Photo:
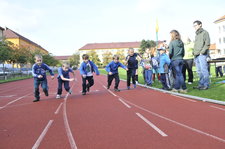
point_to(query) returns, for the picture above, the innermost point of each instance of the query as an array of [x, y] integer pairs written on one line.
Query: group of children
[[153, 63]]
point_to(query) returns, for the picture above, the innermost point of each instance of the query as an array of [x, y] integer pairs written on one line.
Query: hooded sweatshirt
[[176, 50]]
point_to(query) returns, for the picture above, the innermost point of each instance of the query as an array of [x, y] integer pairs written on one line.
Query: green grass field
[[214, 92]]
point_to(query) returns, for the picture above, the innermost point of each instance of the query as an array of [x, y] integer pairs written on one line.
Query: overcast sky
[[64, 26]]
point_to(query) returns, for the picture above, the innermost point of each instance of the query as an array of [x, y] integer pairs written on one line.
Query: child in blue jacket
[[112, 69], [164, 62], [87, 68], [39, 74], [64, 78]]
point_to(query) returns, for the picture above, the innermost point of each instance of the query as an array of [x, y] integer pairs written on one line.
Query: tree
[[74, 60], [121, 56], [94, 57], [146, 44], [49, 60], [5, 52], [107, 57]]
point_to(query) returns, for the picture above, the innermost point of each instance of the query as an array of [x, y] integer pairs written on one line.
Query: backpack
[[155, 63]]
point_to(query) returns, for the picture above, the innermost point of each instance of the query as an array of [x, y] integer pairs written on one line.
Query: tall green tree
[[94, 57], [146, 44], [107, 57], [5, 53], [49, 60], [121, 56], [74, 60]]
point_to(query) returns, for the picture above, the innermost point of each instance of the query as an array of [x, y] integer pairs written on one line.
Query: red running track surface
[[139, 118]]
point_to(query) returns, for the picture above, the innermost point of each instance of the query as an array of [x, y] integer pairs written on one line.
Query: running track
[[103, 119]]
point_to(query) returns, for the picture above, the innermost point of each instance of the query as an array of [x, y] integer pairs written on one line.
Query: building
[[114, 47], [63, 59], [220, 42], [1, 33], [21, 41]]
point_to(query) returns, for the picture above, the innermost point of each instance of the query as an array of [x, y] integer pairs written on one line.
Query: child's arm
[[50, 71], [123, 66], [107, 68], [96, 69]]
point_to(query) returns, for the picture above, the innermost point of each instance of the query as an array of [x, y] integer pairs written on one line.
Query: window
[[223, 39], [219, 40], [219, 29], [224, 28]]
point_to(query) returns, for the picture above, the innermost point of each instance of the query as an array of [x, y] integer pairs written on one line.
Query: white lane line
[[152, 125], [57, 110], [66, 124], [184, 98], [178, 123], [7, 96], [110, 91], [37, 143], [14, 101], [217, 108], [128, 106]]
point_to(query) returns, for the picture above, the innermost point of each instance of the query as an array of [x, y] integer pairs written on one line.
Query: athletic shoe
[[108, 87], [128, 87], [174, 90], [83, 93], [189, 82], [203, 88], [135, 86], [36, 100], [46, 93], [58, 96], [70, 91], [183, 91], [116, 90]]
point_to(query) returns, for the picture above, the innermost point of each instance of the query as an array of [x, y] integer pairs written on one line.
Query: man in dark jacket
[[201, 52]]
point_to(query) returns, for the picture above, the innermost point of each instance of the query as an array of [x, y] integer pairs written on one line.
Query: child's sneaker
[[174, 90], [46, 93], [83, 93], [108, 87], [128, 87], [183, 91], [135, 86], [70, 91], [58, 96], [36, 100], [116, 90]]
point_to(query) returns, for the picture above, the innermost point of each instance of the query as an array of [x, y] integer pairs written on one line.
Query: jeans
[[44, 85], [202, 70], [66, 86], [177, 66], [148, 77]]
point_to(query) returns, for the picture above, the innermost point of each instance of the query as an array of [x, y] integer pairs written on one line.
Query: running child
[[112, 69]]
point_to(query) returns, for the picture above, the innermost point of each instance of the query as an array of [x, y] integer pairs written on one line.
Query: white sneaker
[[70, 91], [189, 82], [58, 96]]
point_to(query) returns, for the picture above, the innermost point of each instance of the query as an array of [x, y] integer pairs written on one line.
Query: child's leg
[[163, 80], [67, 85], [110, 79], [36, 89], [84, 86], [44, 85], [90, 81], [134, 76], [129, 73], [59, 92], [117, 80]]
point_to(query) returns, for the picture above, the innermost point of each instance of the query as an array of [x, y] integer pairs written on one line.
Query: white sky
[[64, 26]]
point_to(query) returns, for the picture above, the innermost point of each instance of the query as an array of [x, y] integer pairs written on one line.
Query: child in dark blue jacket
[[64, 78], [39, 74], [87, 68], [112, 69]]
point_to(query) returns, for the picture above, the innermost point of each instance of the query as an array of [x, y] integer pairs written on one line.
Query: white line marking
[[217, 108], [57, 110], [184, 98], [66, 124], [178, 123], [152, 125], [14, 101], [128, 106], [110, 91], [37, 143], [7, 96]]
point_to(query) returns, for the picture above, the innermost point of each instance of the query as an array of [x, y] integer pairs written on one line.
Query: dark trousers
[[85, 84], [131, 74], [117, 80], [163, 80], [188, 66], [37, 83], [219, 71], [66, 86]]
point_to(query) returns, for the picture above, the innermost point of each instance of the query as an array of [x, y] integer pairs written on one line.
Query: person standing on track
[[87, 68], [39, 74], [132, 65], [64, 78], [112, 69]]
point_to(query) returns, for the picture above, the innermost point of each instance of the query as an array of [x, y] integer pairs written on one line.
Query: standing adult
[[201, 52], [176, 53], [188, 60]]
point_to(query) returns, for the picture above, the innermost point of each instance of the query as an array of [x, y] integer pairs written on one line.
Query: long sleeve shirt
[[113, 67], [41, 70]]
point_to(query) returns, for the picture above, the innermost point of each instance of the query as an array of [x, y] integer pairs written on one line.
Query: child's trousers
[[117, 80], [90, 83], [66, 86], [44, 85]]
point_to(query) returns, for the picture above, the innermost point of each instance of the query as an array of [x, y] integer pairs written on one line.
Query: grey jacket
[[202, 42]]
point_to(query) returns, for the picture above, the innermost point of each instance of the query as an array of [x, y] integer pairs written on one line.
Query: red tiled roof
[[8, 33], [220, 19], [62, 57], [113, 45], [1, 28]]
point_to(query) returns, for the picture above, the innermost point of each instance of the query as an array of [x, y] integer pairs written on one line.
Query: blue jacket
[[163, 59], [41, 70], [65, 74], [113, 67], [83, 66]]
